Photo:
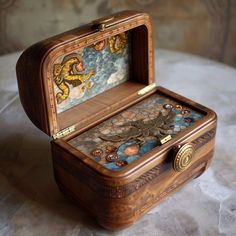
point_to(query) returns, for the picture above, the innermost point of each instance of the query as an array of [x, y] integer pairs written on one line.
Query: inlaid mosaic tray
[[126, 137]]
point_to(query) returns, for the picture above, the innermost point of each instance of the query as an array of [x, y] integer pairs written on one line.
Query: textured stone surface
[[31, 204], [206, 27]]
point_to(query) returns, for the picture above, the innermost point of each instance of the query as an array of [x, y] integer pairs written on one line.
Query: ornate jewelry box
[[121, 144]]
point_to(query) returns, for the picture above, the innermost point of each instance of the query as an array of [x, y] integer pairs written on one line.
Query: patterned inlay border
[[199, 142]]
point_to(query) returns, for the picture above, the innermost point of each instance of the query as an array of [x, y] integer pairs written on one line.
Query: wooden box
[[121, 144]]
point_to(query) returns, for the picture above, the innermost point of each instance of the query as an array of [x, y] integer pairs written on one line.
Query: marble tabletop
[[31, 204]]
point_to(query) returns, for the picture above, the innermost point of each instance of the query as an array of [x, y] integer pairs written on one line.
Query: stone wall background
[[202, 27]]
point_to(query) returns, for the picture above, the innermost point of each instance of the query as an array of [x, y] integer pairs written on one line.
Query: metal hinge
[[147, 89], [64, 132]]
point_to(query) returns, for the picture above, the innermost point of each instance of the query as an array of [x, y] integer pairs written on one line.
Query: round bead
[[167, 106], [121, 163], [178, 107], [97, 152], [112, 157], [110, 149], [185, 112]]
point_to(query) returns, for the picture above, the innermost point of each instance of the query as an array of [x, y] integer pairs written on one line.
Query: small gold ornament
[[97, 152], [110, 149], [121, 163], [178, 107]]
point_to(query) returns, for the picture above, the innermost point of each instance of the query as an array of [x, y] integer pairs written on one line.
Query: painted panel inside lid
[[126, 137], [89, 71]]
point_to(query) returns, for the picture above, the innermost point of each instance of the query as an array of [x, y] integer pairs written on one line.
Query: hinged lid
[[87, 74]]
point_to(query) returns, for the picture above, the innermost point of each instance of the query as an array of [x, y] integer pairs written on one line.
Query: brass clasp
[[101, 24]]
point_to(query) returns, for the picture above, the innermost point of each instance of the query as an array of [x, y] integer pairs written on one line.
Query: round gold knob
[[183, 157]]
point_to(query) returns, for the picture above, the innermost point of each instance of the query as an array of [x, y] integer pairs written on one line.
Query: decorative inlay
[[136, 131]]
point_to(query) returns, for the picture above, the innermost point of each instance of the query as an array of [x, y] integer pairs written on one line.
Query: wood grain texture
[[127, 189], [117, 213]]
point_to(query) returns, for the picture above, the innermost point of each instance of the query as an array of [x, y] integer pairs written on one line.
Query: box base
[[137, 204]]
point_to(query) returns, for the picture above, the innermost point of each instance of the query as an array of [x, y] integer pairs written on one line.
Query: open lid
[[87, 74]]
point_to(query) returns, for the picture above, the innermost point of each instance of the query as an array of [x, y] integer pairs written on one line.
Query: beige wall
[[203, 27]]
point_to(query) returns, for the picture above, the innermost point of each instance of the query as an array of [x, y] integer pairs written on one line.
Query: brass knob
[[183, 157]]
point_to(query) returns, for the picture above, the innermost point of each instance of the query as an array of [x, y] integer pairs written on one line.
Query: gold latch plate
[[165, 139], [64, 132]]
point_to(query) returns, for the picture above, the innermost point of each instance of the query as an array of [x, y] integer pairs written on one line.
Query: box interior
[[92, 82]]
